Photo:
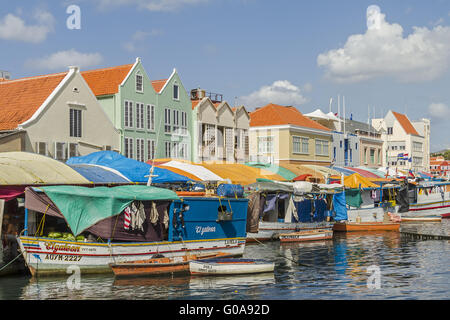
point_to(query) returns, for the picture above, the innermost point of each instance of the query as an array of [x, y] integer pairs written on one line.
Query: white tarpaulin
[[24, 168], [196, 170]]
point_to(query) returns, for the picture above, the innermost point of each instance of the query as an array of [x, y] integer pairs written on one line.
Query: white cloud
[[151, 5], [280, 92], [13, 27], [63, 59], [421, 56], [439, 112]]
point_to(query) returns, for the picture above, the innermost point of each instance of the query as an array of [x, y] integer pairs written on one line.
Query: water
[[323, 270]]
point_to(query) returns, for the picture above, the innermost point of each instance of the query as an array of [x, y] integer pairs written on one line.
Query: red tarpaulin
[[302, 177], [10, 192]]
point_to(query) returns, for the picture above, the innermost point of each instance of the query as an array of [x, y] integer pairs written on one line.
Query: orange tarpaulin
[[356, 180]]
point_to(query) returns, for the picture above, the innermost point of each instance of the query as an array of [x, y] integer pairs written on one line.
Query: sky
[[395, 56]]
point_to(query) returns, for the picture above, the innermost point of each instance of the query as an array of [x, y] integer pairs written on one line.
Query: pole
[[25, 225]]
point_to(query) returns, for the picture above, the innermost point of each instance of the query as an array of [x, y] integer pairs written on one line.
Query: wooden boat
[[230, 266], [159, 266], [307, 235], [366, 226], [422, 219]]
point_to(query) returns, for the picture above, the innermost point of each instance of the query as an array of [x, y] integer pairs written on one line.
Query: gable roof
[[107, 80], [405, 123], [159, 84], [273, 114], [20, 99]]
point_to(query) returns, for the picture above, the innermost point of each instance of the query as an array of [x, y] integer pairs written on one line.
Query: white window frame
[[168, 149], [76, 153], [128, 114], [151, 147], [128, 147], [150, 117], [62, 152], [323, 151], [303, 141], [265, 144], [176, 121], [140, 149], [75, 122], [167, 123], [39, 148], [141, 90], [184, 123], [139, 115], [177, 91]]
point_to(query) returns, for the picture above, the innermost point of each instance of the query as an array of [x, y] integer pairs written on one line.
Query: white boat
[[227, 266], [307, 235], [428, 200]]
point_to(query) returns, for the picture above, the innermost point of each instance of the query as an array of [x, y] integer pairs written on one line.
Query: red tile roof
[[158, 84], [106, 81], [273, 114], [195, 103], [21, 98], [405, 123]]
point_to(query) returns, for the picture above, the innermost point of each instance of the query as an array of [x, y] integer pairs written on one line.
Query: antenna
[[331, 100], [343, 104], [339, 113]]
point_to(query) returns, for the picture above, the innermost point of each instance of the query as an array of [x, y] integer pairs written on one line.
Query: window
[[372, 156], [390, 130], [265, 144], [168, 149], [140, 149], [340, 144], [321, 147], [150, 149], [128, 147], [139, 115], [139, 87], [176, 92], [41, 148], [174, 151], [150, 117], [300, 145], [379, 156], [184, 123], [128, 114], [73, 150], [75, 123], [167, 127], [60, 151], [176, 122], [183, 151], [417, 146]]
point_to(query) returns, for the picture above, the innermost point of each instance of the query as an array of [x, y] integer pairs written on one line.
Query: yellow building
[[281, 134]]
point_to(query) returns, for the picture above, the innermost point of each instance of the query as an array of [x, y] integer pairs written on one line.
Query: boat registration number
[[62, 257]]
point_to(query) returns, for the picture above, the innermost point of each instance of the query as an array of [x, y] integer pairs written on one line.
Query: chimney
[[4, 75], [197, 94]]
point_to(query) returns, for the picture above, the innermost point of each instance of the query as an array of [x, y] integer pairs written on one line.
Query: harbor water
[[342, 268]]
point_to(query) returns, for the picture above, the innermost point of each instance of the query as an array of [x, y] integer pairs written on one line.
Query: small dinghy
[[307, 235], [230, 266], [159, 266]]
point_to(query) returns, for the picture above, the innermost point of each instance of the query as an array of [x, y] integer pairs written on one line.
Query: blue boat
[[90, 228]]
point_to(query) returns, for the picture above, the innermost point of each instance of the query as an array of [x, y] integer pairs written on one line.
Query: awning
[[98, 174], [355, 181], [200, 172], [364, 173], [285, 173]]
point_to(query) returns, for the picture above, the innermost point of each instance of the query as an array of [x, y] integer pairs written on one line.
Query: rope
[[42, 222], [10, 262], [281, 255]]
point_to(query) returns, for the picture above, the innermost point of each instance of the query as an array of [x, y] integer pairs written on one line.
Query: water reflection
[[327, 269]]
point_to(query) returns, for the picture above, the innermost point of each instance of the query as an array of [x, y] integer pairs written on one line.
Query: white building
[[404, 146]]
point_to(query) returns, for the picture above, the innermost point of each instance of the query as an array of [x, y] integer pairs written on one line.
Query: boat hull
[[307, 235], [45, 256], [365, 226], [432, 209], [271, 230], [230, 267]]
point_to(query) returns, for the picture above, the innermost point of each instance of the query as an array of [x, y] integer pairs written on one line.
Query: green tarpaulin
[[353, 197], [83, 207]]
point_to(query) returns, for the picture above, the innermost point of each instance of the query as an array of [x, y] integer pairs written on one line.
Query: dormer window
[[175, 92], [139, 87]]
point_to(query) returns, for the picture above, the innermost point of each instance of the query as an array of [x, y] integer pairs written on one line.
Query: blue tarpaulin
[[97, 174], [340, 206], [304, 209], [134, 170]]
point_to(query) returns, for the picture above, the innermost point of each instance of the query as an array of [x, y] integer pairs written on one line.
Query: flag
[[410, 159], [400, 155], [411, 174]]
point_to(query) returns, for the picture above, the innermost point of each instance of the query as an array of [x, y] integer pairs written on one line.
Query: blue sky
[[299, 53]]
